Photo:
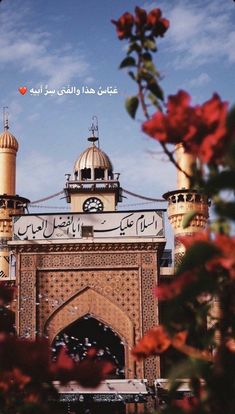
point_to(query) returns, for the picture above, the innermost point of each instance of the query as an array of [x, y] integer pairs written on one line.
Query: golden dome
[[93, 158], [8, 141]]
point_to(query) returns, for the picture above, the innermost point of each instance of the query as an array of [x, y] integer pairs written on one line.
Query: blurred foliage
[[202, 332]]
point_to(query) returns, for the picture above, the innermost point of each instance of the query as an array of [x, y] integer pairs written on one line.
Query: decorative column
[[10, 203], [185, 200]]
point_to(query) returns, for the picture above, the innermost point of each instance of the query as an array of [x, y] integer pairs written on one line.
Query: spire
[[5, 118], [94, 128]]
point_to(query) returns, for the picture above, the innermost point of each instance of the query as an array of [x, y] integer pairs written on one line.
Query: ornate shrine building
[[86, 278]]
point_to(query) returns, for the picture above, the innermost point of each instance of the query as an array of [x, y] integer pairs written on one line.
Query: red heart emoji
[[23, 90]]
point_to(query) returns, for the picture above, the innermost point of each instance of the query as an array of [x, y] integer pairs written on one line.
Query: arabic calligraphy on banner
[[73, 90], [101, 225]]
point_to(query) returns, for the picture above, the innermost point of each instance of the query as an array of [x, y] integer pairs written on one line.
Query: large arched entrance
[[115, 322], [87, 332]]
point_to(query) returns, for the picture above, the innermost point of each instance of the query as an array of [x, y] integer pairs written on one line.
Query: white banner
[[71, 226]]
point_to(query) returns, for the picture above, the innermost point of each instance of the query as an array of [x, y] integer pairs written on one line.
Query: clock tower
[[93, 187]]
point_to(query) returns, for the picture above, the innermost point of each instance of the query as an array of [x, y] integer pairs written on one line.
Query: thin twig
[[172, 159]]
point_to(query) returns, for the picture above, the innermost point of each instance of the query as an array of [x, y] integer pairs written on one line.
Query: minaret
[[185, 200], [10, 203], [93, 187]]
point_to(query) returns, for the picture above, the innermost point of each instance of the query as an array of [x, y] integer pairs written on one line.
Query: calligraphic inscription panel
[[101, 225]]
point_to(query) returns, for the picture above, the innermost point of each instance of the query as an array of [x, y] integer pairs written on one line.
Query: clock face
[[92, 205]]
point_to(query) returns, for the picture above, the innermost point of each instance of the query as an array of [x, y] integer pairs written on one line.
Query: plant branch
[[172, 159], [140, 87]]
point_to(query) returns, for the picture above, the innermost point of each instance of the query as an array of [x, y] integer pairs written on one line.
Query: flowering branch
[[207, 270]]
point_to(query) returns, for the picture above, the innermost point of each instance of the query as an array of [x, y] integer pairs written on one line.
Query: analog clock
[[93, 204]]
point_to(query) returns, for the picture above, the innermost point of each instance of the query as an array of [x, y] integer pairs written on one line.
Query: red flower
[[168, 291], [179, 339], [62, 369], [188, 404], [89, 372], [153, 17], [161, 27], [12, 379], [34, 357], [30, 357], [212, 137], [201, 129], [140, 19], [226, 258], [124, 25], [175, 126], [143, 22], [154, 342], [225, 246], [201, 236]]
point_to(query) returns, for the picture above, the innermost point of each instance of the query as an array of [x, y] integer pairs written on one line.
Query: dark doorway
[[88, 332]]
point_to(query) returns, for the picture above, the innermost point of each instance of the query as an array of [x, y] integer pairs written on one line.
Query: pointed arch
[[88, 301]]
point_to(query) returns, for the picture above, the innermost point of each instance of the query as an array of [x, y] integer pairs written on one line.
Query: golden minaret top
[[7, 140], [8, 149]]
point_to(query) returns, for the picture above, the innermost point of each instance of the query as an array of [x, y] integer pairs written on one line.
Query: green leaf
[[150, 44], [147, 57], [134, 47], [150, 67], [131, 105], [188, 218], [153, 99], [128, 61], [156, 90], [132, 75], [144, 74], [221, 226]]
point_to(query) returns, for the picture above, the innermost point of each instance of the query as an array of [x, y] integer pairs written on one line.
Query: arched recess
[[89, 332], [90, 302]]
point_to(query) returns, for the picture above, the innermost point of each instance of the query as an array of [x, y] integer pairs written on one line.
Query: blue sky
[[72, 42]]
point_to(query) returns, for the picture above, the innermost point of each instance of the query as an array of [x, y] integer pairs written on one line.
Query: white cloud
[[32, 51], [231, 47], [200, 80], [38, 176], [148, 168], [33, 117], [201, 34], [200, 31]]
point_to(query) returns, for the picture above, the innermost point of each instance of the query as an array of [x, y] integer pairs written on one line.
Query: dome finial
[[94, 128], [5, 118]]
